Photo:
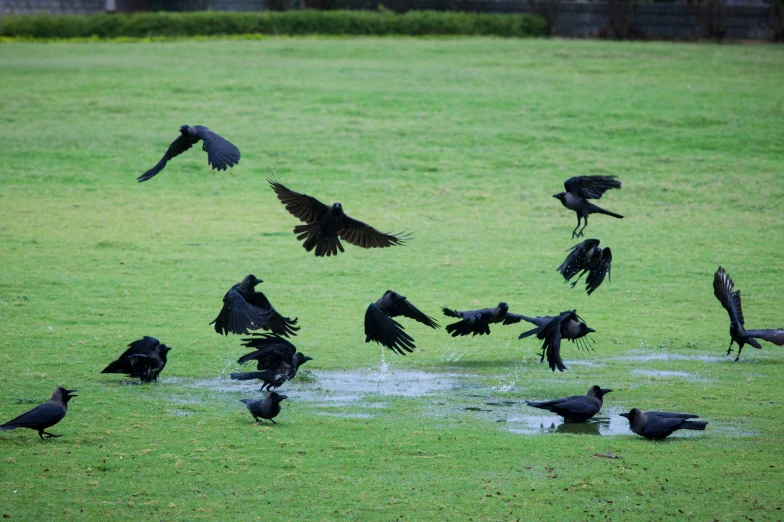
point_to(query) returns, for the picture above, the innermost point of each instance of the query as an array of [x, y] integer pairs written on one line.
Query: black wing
[[221, 153], [577, 405], [238, 316], [591, 187], [386, 331], [723, 289], [178, 146], [144, 346], [363, 235], [47, 413], [578, 258], [671, 415], [276, 323], [772, 336], [513, 318], [406, 309], [598, 271], [271, 351], [550, 334], [303, 207]]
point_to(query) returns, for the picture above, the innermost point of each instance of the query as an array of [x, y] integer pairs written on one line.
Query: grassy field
[[463, 142]]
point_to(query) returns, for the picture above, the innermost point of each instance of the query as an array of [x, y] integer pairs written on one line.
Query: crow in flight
[[265, 408], [326, 225], [276, 359], [246, 309], [380, 327], [566, 325], [144, 359], [479, 321], [578, 408], [220, 152], [587, 257], [723, 289], [44, 416], [579, 190], [656, 425]]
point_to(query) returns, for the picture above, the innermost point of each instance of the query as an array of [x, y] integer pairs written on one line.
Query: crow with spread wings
[[579, 189], [584, 258], [144, 359], [477, 322], [551, 330], [276, 359], [381, 328], [326, 225], [246, 309], [221, 153]]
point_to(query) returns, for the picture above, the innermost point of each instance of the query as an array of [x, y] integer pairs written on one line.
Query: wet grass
[[462, 141]]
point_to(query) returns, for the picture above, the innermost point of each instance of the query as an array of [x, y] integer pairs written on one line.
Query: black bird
[[220, 152], [656, 425], [587, 257], [44, 416], [266, 408], [723, 289], [277, 359], [326, 225], [246, 309], [479, 321], [566, 325], [579, 189], [145, 359], [381, 328], [578, 408]]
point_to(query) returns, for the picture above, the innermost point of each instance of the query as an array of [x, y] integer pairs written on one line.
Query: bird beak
[[306, 358], [590, 330], [555, 196], [605, 391], [71, 392], [627, 415], [283, 396]]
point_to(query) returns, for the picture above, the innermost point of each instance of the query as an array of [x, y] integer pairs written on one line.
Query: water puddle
[[664, 356], [669, 373]]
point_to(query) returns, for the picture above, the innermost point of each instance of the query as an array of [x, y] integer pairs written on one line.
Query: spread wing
[[551, 336], [472, 322], [578, 258], [303, 207], [772, 336], [144, 346], [591, 187], [271, 351], [387, 332], [598, 271], [178, 146], [221, 153], [513, 318], [363, 235], [723, 290], [406, 309], [276, 323], [238, 316], [46, 413]]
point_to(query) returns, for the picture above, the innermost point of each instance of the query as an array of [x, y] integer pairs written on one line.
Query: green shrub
[[209, 23]]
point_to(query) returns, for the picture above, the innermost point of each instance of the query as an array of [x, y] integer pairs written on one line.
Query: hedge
[[211, 23]]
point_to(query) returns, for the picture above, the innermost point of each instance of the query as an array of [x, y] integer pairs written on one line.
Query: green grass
[[462, 141]]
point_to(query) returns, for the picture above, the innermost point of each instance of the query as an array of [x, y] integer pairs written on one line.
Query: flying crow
[[246, 309], [276, 359], [381, 328], [579, 190]]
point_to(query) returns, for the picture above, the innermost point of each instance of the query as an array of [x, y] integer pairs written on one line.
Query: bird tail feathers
[[694, 425], [246, 376]]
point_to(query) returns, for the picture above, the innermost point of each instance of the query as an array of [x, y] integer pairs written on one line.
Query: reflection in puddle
[[535, 425]]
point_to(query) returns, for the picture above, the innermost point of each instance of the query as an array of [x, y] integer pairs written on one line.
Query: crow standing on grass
[[479, 321], [44, 416], [266, 408], [587, 257], [566, 325], [326, 225], [579, 189], [724, 290], [246, 309], [656, 425], [277, 359], [381, 328], [144, 359], [578, 408], [220, 152]]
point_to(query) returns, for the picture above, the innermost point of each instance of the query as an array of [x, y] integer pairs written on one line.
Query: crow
[[44, 416], [381, 328], [326, 225], [723, 289], [581, 188], [145, 359], [220, 152], [566, 325], [657, 425], [479, 321], [246, 309], [587, 257], [266, 408], [578, 408], [277, 359]]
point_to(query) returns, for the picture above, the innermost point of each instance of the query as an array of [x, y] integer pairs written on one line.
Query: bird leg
[[729, 350], [578, 278], [575, 228], [48, 435], [580, 234], [739, 350], [273, 422]]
